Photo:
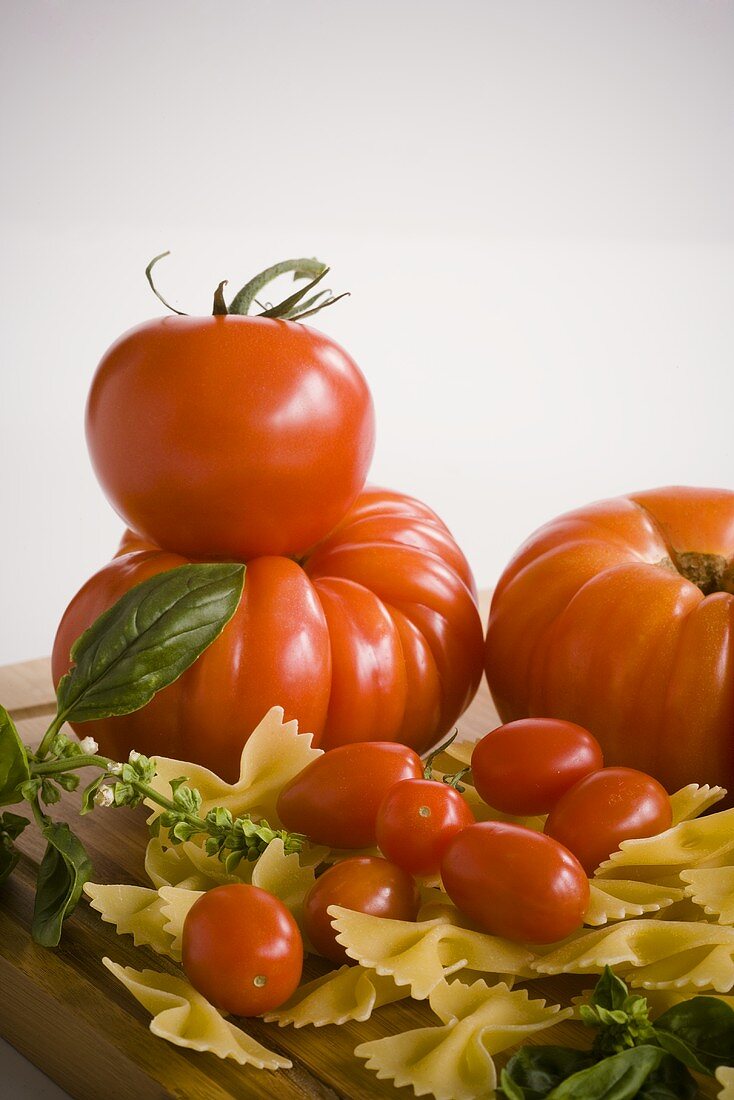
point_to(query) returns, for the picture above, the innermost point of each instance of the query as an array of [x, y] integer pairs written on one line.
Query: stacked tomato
[[249, 438]]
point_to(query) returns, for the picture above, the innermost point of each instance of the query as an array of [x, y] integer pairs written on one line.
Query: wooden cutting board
[[66, 1013]]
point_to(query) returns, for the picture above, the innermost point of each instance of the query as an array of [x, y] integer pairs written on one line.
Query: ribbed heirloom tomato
[[231, 436], [620, 617], [373, 636]]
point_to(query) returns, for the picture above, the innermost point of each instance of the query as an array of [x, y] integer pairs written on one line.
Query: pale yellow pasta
[[421, 954], [660, 1000], [187, 865], [455, 1061], [693, 800], [175, 905], [619, 899], [185, 1018], [272, 755], [283, 875], [689, 844], [713, 889], [134, 910], [350, 993], [654, 954], [725, 1077]]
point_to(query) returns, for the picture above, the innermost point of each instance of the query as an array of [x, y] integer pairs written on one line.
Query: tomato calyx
[[293, 308], [453, 780], [709, 572]]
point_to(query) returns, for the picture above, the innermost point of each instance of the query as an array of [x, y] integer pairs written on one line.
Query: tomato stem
[[159, 296], [220, 306], [428, 763]]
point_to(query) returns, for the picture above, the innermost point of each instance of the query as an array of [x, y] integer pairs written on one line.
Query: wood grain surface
[[65, 1012]]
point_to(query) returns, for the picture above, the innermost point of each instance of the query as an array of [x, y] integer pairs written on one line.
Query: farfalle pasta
[[704, 840], [185, 1018], [422, 954], [712, 888], [273, 754], [725, 1077], [620, 899], [455, 1061], [134, 910], [350, 993], [654, 954], [694, 800]]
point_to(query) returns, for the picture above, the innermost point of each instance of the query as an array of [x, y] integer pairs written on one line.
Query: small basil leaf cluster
[[630, 1057], [229, 839]]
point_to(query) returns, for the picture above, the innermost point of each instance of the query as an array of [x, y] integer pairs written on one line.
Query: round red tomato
[[373, 636], [230, 436], [364, 884], [415, 822], [242, 949], [620, 616], [524, 767], [335, 799], [602, 810], [514, 882]]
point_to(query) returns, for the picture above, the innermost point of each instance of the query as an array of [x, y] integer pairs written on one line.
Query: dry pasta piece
[[654, 954], [273, 753], [187, 865], [619, 899], [713, 889], [693, 800], [688, 844], [350, 993], [660, 1000], [185, 1018], [455, 1061], [421, 954], [134, 910], [725, 1077], [175, 905]]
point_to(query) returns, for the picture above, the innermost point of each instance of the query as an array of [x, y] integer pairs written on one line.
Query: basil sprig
[[631, 1056], [140, 645]]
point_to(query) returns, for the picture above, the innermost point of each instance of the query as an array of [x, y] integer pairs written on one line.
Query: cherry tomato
[[365, 884], [335, 799], [514, 882], [602, 810], [242, 949], [416, 820], [524, 767], [230, 436]]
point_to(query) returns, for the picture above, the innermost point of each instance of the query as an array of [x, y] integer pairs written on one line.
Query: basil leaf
[[535, 1071], [11, 826], [14, 770], [610, 991], [699, 1033], [147, 639], [670, 1081], [64, 869], [619, 1077]]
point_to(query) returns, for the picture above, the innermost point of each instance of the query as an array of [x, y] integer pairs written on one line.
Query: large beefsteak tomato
[[230, 436], [374, 635], [620, 617]]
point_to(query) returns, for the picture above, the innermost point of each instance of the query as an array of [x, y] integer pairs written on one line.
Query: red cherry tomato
[[335, 799], [230, 436], [524, 767], [416, 820], [602, 810], [242, 949], [365, 884], [514, 882]]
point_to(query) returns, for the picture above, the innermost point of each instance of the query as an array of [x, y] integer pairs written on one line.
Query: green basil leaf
[[670, 1081], [147, 639], [509, 1089], [619, 1077], [64, 869], [699, 1033], [535, 1071], [610, 991], [88, 803], [14, 770]]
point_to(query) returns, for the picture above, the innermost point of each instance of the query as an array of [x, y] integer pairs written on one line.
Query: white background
[[530, 201]]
